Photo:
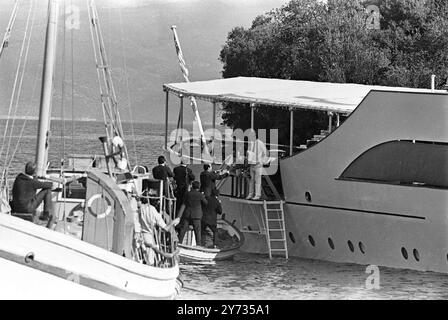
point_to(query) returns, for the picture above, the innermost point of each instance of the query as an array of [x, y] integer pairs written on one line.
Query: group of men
[[196, 202]]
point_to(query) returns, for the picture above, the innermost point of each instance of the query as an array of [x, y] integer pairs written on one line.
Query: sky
[[139, 43]]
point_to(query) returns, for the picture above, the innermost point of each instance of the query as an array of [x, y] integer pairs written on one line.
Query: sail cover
[[323, 96]]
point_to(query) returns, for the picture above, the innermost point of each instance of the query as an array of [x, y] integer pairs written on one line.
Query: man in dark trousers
[[163, 172], [191, 213], [183, 177], [24, 197], [208, 179], [209, 218]]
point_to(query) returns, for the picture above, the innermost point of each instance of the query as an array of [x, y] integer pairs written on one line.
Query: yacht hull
[[327, 217]]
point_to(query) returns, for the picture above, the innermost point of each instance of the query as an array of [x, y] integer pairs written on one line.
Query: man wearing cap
[[24, 197]]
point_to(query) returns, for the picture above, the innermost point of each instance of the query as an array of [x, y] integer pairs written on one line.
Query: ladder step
[[278, 220]]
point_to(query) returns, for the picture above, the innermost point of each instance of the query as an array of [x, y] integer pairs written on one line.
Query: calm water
[[247, 276], [252, 276]]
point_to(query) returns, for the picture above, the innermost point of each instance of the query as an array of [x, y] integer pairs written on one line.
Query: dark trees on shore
[[334, 42]]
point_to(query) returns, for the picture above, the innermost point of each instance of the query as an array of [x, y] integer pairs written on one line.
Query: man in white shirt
[[257, 155], [145, 220]]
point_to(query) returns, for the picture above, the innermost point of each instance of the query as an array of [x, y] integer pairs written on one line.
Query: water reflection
[[251, 276]]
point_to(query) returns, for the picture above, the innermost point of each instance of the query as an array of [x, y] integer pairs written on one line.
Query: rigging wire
[[64, 185], [36, 78], [7, 35], [63, 91], [128, 91], [72, 88], [16, 107], [112, 97], [16, 79], [106, 112], [110, 105]]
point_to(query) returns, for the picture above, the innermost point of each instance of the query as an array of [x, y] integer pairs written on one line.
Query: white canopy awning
[[323, 96]]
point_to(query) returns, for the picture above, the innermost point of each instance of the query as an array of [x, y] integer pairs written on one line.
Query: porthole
[[308, 196], [350, 246], [291, 236], [404, 253], [29, 257], [416, 254], [311, 240], [362, 248], [330, 243]]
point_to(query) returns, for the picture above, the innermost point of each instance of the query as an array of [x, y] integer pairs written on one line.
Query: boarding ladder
[[275, 228]]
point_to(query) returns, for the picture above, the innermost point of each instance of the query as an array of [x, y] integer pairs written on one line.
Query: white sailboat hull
[[20, 282], [71, 259]]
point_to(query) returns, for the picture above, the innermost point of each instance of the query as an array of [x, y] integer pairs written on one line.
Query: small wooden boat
[[230, 239]]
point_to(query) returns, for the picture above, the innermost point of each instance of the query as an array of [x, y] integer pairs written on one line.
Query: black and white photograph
[[225, 154]]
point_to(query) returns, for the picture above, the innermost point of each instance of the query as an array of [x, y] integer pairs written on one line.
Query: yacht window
[[415, 163]]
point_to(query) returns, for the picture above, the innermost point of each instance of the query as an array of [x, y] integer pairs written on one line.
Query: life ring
[[101, 215]]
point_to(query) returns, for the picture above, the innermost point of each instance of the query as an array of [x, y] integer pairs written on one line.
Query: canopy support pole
[[338, 120], [214, 116], [181, 116], [291, 130], [252, 116], [166, 118], [330, 119]]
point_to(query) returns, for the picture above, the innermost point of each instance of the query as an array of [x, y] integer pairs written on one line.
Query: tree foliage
[[329, 41]]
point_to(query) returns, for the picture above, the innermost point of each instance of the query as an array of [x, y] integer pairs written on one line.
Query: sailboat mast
[[47, 87]]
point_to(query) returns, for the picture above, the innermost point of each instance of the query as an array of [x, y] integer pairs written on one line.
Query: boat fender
[[101, 215]]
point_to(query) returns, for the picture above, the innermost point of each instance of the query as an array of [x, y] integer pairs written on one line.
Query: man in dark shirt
[[209, 218], [24, 197], [191, 212], [208, 179], [183, 177], [163, 172]]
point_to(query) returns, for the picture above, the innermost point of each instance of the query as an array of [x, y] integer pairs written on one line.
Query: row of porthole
[[361, 246], [350, 244], [415, 252]]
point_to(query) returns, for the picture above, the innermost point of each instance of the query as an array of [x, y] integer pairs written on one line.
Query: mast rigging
[[7, 35], [111, 115], [194, 105]]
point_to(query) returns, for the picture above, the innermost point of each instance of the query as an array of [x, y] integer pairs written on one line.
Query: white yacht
[[90, 252], [371, 189]]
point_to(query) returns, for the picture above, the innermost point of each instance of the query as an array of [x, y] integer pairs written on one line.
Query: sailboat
[[98, 259]]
